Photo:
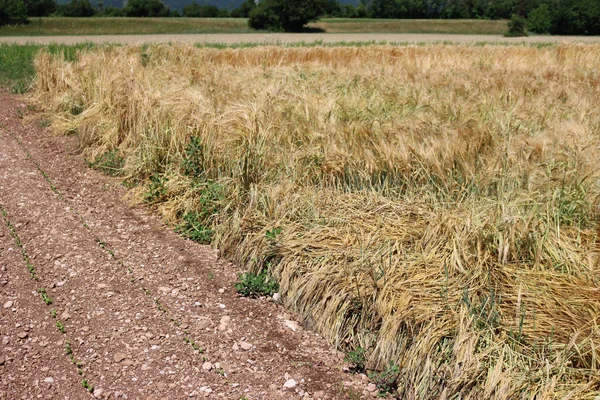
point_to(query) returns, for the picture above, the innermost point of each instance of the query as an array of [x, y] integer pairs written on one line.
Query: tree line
[[561, 17]]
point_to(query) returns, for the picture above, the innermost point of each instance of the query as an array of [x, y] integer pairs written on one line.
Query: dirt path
[[133, 310], [274, 38]]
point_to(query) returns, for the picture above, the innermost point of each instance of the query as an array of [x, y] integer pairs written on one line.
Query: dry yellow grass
[[437, 204]]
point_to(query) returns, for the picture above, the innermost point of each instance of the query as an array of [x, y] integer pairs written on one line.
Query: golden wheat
[[437, 204]]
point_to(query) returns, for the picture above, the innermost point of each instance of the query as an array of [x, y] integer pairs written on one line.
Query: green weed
[[357, 360], [86, 385], [252, 285], [61, 327], [45, 296], [110, 163], [156, 190], [192, 228], [193, 162], [196, 224], [273, 233], [484, 310], [386, 380]]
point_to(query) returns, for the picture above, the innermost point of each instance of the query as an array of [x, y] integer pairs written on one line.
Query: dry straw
[[437, 204]]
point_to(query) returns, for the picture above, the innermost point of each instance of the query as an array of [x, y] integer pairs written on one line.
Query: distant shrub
[[540, 19], [13, 12], [516, 26]]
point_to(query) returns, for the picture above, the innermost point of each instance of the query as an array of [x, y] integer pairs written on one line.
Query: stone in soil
[[293, 325], [245, 346], [289, 384], [8, 304], [120, 357]]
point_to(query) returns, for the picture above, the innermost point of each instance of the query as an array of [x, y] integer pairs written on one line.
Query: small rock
[[224, 323], [293, 325], [207, 366], [245, 346], [65, 316], [60, 283], [319, 395], [49, 380], [221, 291], [203, 323], [22, 335], [235, 347], [276, 297], [98, 393], [120, 357], [101, 286], [127, 363], [8, 304], [289, 384], [2, 360], [371, 387]]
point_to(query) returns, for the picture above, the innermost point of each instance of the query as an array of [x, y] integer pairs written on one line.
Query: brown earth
[[276, 38], [146, 313]]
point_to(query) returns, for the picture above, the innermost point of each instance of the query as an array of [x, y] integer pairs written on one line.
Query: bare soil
[[146, 313], [276, 38]]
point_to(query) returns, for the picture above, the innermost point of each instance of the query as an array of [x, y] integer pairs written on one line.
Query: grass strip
[[51, 26]]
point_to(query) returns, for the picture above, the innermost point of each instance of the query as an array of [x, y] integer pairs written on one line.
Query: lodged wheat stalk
[[436, 204]]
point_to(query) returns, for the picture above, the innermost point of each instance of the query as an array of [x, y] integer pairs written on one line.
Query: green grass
[[440, 26], [16, 63], [125, 26], [143, 26]]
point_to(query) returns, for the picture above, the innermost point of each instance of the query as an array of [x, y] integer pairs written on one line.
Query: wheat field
[[434, 205]]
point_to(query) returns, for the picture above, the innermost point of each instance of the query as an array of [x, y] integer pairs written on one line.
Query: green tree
[[196, 10], [76, 8], [40, 8], [576, 17], [111, 11], [244, 10], [540, 19], [145, 8], [13, 12], [286, 15]]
